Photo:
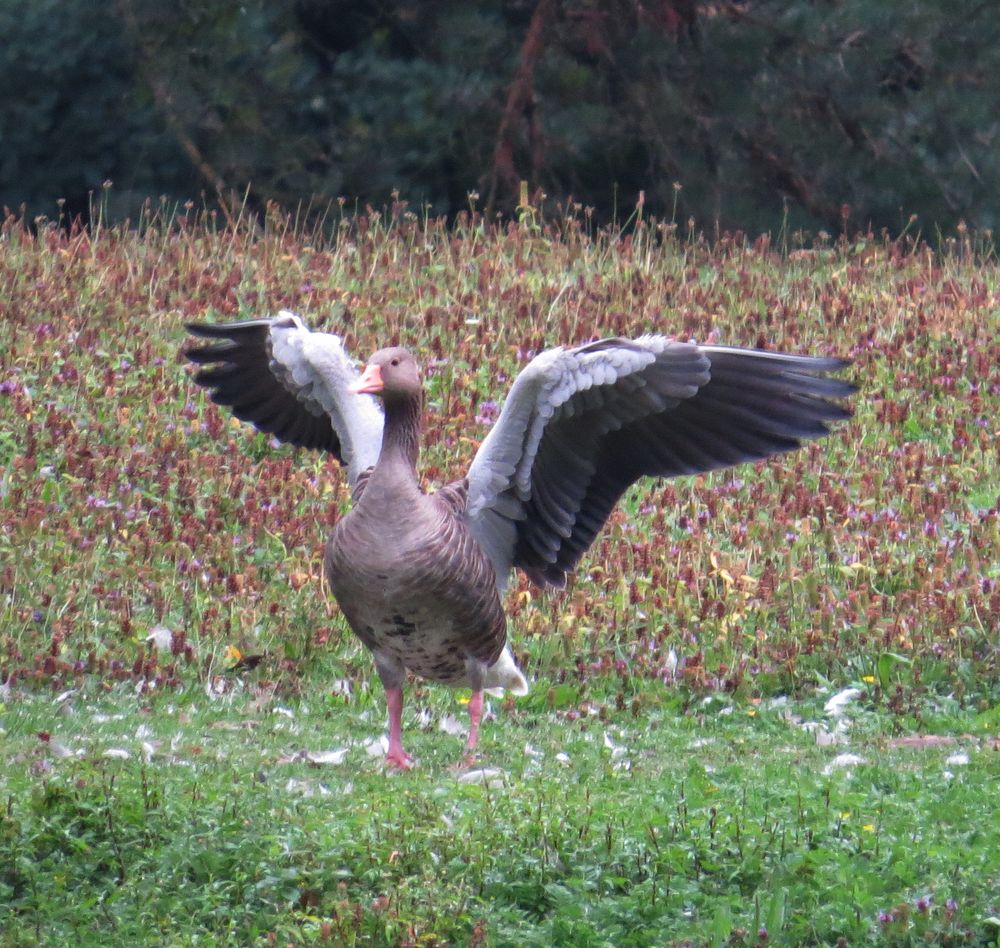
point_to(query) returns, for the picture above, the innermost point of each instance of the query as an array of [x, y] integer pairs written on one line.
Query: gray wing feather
[[292, 383], [580, 425]]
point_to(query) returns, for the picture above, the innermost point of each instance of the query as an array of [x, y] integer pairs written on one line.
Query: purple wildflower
[[487, 413]]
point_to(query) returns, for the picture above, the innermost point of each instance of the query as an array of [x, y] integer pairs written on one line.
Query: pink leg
[[475, 716], [397, 757]]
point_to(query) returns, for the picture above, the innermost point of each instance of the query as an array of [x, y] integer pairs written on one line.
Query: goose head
[[391, 374]]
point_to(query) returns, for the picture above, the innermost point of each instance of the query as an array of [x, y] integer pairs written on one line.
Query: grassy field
[[766, 710]]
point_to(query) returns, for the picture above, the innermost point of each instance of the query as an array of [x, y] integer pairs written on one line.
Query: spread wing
[[292, 383], [580, 425]]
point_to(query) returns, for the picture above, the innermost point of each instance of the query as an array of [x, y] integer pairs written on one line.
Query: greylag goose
[[419, 576]]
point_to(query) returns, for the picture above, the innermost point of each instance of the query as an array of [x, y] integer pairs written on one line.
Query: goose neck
[[401, 433]]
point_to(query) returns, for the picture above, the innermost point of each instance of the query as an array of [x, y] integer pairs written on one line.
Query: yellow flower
[[869, 827], [870, 679]]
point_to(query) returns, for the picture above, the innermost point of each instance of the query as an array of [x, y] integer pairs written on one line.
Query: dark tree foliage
[[815, 114], [74, 112]]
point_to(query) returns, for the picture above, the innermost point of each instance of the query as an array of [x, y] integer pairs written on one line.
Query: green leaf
[[722, 924], [884, 665], [776, 911]]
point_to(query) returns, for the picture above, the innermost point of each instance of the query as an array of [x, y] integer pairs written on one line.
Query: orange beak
[[370, 382]]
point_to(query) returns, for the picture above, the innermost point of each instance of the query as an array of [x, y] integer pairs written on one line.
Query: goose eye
[[394, 362]]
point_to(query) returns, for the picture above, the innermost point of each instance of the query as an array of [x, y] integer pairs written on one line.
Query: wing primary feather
[[228, 330], [769, 404], [553, 513], [733, 421]]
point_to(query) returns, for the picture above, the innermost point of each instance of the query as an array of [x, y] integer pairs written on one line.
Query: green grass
[[674, 824], [683, 674]]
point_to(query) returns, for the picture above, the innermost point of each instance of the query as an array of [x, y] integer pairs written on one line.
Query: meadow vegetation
[[765, 711]]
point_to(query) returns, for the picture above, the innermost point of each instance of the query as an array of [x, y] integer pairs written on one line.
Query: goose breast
[[416, 588]]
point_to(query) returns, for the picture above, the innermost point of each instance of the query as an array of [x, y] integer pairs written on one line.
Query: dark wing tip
[[232, 340], [840, 412], [214, 330], [835, 387], [545, 575], [825, 363], [847, 389], [236, 331], [227, 329], [203, 355]]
